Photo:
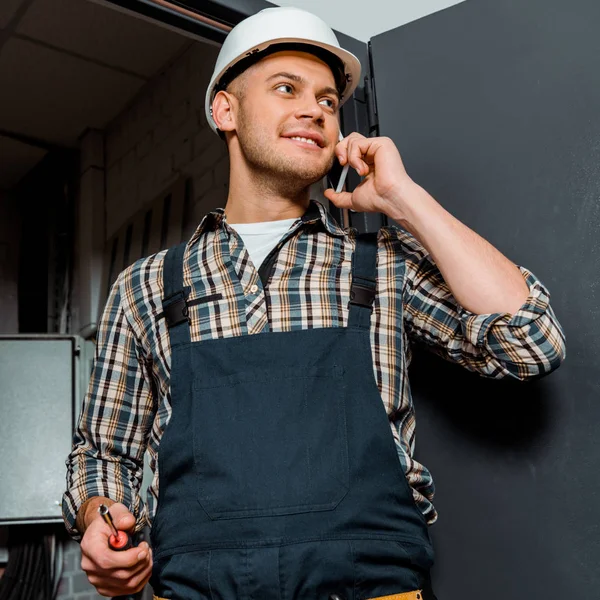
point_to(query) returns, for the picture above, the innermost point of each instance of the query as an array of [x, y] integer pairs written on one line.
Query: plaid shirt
[[128, 405]]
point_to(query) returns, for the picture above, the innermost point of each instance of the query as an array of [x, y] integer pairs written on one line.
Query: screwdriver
[[119, 540]]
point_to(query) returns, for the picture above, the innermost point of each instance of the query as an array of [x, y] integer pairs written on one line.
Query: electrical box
[[40, 390]]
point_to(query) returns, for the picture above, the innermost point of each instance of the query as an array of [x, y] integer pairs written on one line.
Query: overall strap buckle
[[362, 292], [364, 271], [175, 306], [175, 309], [364, 281]]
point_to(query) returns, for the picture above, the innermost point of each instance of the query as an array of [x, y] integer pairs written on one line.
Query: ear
[[224, 111]]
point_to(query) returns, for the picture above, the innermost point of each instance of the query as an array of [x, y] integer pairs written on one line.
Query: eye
[[332, 103], [286, 87]]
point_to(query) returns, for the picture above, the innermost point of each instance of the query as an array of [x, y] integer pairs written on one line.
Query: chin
[[307, 169], [308, 176]]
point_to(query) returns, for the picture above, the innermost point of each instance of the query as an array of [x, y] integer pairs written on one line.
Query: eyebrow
[[302, 81]]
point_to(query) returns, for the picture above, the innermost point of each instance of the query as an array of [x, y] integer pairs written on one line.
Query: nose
[[310, 109]]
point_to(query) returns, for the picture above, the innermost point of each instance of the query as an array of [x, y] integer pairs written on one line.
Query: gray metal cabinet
[[39, 387]]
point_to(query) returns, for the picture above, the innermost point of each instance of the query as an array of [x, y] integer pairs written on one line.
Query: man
[[264, 363]]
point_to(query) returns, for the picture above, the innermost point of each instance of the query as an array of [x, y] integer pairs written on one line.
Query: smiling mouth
[[306, 142]]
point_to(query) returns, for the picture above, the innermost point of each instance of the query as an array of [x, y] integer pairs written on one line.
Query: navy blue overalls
[[279, 476]]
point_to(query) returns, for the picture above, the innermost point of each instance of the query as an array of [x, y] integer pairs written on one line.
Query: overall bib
[[279, 476]]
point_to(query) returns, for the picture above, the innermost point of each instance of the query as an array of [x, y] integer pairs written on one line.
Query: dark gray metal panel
[[495, 108], [36, 426]]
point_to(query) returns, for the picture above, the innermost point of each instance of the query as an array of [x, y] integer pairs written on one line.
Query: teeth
[[301, 139]]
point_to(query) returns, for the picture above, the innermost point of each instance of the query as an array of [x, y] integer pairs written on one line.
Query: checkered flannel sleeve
[[109, 443], [527, 344]]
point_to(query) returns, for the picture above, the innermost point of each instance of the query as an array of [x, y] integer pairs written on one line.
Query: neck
[[254, 198]]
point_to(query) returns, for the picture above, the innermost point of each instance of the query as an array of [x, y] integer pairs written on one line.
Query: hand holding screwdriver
[[113, 572]]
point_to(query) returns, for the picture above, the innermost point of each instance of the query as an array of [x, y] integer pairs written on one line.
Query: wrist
[[89, 511], [408, 205]]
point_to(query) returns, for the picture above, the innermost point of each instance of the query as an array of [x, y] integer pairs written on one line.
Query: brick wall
[[74, 584], [162, 136]]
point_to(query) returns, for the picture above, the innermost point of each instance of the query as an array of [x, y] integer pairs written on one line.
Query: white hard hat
[[249, 40]]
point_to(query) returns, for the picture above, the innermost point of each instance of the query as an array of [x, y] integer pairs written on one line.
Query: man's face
[[282, 98]]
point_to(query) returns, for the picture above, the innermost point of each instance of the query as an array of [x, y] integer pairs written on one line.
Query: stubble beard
[[275, 170]]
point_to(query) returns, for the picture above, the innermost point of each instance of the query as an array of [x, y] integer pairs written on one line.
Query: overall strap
[[175, 307], [364, 280]]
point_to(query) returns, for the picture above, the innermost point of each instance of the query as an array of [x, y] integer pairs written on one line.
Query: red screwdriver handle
[[120, 542]]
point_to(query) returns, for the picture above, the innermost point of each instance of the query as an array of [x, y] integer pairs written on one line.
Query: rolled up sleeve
[[524, 345], [529, 343], [109, 442]]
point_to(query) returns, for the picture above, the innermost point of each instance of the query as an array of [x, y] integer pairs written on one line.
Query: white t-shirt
[[261, 238]]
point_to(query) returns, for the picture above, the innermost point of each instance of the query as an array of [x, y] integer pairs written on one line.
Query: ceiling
[[351, 18], [66, 66]]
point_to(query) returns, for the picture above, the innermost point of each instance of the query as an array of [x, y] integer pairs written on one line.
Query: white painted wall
[[363, 19]]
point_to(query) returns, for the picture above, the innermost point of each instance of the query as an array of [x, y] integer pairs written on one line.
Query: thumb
[[341, 200], [122, 517]]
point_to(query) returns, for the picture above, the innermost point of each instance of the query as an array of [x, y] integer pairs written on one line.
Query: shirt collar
[[315, 213]]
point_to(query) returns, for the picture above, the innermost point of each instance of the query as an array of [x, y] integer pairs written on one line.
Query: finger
[[356, 136], [112, 559], [122, 517], [130, 558], [368, 147], [134, 572], [341, 200], [341, 149], [357, 147], [112, 588]]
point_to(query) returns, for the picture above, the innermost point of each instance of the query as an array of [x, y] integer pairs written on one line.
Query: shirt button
[[254, 289]]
